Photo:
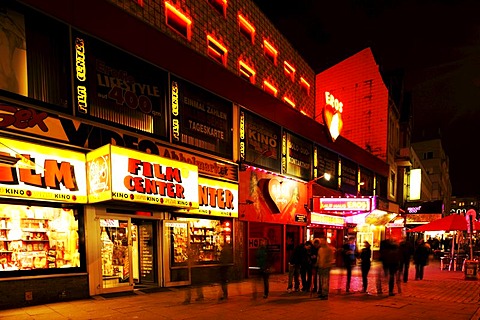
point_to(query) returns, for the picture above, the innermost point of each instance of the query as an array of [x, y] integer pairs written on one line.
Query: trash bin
[[471, 267]]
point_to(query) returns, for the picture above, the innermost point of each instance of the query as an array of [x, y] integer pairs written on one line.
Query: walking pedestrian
[[406, 252], [264, 263], [294, 267], [193, 254], [420, 258], [306, 267], [348, 255], [389, 257], [313, 260], [324, 264], [365, 258], [226, 258]]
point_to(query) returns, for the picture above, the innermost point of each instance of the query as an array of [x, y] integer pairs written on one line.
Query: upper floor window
[[178, 21], [270, 52], [268, 87], [304, 86], [246, 72], [139, 2], [216, 50], [289, 70], [246, 28], [428, 155], [220, 6], [289, 101]]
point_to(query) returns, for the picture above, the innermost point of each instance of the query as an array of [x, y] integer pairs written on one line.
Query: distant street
[[441, 295]]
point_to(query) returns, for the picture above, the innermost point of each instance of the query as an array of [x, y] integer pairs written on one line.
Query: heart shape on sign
[[333, 121]]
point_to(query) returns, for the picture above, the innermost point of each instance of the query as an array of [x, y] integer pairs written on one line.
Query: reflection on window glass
[[37, 238]]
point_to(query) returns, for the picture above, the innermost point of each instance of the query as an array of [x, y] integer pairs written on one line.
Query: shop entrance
[[128, 250]]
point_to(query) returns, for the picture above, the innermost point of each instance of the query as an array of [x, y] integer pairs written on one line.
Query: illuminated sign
[[332, 115], [216, 198], [175, 121], [81, 74], [415, 184], [342, 204], [140, 177], [57, 174], [326, 219]]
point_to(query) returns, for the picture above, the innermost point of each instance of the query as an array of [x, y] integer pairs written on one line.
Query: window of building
[[139, 2], [304, 86], [216, 50], [428, 155], [220, 6], [178, 21], [268, 87], [289, 101], [270, 52], [289, 70], [246, 72], [392, 183], [246, 28]]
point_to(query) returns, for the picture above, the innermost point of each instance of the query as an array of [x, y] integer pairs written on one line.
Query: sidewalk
[[442, 294]]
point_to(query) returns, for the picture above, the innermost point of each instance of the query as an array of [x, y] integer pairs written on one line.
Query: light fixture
[[327, 176]]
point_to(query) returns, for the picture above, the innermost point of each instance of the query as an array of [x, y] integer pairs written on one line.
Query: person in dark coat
[[226, 258], [348, 255], [420, 258], [365, 258], [389, 256], [298, 260], [306, 267], [264, 263], [406, 252]]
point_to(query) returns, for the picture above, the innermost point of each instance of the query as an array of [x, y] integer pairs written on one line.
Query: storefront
[[42, 235]]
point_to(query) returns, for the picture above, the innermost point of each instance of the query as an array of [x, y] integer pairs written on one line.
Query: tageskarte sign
[[42, 172], [116, 173]]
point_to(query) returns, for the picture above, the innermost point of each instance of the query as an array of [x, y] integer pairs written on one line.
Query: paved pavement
[[441, 295]]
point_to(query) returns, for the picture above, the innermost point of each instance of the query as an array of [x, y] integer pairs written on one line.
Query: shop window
[[304, 86], [207, 238], [268, 87], [289, 70], [35, 238], [178, 21], [270, 52], [220, 6], [246, 28], [216, 50], [289, 101], [246, 72]]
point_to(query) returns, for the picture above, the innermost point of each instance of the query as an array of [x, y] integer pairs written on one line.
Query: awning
[[379, 217]]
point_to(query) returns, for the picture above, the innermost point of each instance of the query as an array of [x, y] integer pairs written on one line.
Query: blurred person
[[193, 254], [324, 264], [226, 258], [406, 252], [420, 258], [313, 260], [365, 258], [294, 267], [306, 267], [389, 256], [264, 263], [348, 256]]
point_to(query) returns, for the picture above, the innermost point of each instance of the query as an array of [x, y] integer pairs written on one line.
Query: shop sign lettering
[[215, 198]]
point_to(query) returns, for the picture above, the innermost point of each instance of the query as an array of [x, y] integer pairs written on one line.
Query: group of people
[[310, 264]]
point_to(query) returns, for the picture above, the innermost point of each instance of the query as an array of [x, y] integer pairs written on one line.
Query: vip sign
[[43, 173], [332, 115], [216, 198], [141, 177]]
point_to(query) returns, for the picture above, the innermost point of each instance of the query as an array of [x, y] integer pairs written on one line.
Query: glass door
[[176, 252], [116, 253]]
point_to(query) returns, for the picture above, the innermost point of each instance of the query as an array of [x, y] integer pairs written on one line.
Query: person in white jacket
[[324, 265]]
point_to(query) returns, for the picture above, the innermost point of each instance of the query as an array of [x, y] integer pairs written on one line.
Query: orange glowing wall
[[357, 83]]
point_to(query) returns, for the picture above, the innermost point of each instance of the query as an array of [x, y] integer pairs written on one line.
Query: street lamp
[[326, 176]]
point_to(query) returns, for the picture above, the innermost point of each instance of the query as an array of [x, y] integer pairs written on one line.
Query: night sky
[[434, 44]]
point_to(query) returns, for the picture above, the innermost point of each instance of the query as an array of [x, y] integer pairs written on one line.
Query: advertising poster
[[260, 141], [200, 119], [297, 156], [112, 85], [326, 163], [348, 176]]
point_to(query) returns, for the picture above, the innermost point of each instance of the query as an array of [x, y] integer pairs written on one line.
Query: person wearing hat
[[365, 258]]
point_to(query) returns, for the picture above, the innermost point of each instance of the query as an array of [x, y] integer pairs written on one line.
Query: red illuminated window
[[178, 21], [289, 101], [216, 50], [268, 87], [305, 86], [246, 28], [270, 52], [246, 72], [220, 6], [139, 2], [289, 70]]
